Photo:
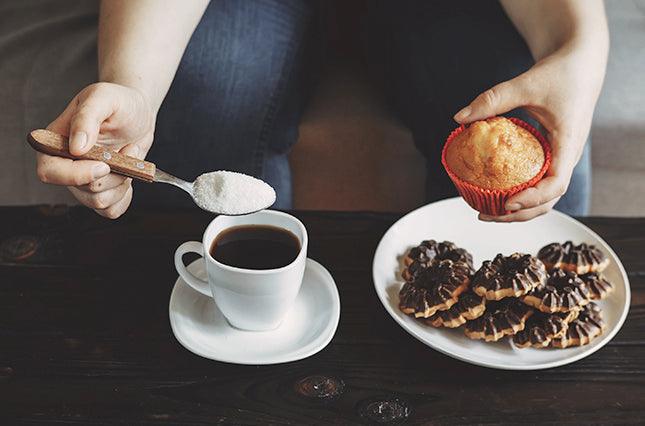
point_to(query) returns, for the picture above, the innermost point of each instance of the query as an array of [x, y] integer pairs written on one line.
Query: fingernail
[[463, 114], [100, 170], [513, 206], [79, 140]]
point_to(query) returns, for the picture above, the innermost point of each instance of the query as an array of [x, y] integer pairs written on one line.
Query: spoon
[[219, 192]]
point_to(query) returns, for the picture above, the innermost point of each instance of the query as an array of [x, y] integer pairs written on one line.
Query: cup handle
[[197, 283]]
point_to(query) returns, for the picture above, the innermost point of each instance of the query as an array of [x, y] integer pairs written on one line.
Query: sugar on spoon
[[221, 192]]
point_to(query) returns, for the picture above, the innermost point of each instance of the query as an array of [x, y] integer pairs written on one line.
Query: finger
[[112, 180], [556, 182], [494, 101], [133, 150], [116, 210], [86, 121], [103, 184], [544, 191], [521, 215], [64, 171], [61, 123], [101, 200]]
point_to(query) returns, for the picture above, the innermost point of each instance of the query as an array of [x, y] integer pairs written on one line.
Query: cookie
[[583, 329], [430, 250], [435, 288], [563, 291], [541, 329], [502, 318], [469, 307], [598, 286], [508, 276], [581, 258]]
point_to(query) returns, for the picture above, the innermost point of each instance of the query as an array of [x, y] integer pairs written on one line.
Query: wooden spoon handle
[[52, 143]]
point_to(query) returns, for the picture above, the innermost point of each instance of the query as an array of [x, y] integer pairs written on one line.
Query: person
[[222, 85]]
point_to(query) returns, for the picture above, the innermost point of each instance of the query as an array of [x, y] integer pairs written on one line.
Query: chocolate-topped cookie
[[598, 286], [541, 328], [434, 288], [563, 291], [430, 250], [583, 329], [503, 318], [581, 258], [468, 307], [508, 276]]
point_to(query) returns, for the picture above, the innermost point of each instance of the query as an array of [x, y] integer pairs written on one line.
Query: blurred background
[[352, 155]]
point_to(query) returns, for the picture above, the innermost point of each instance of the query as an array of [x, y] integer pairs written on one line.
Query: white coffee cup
[[250, 299]]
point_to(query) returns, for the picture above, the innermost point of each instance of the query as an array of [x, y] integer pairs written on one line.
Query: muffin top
[[495, 154]]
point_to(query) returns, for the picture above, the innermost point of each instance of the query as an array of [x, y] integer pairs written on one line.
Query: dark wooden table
[[85, 338]]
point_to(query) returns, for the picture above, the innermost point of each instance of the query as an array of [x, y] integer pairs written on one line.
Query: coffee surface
[[255, 247]]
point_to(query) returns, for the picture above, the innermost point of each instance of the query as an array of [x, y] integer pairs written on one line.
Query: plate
[[455, 221], [307, 328]]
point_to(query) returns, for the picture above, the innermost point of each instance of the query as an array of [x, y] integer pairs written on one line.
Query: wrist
[[133, 102], [145, 90]]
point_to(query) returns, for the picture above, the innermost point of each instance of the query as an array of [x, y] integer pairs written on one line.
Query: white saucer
[[453, 220], [308, 327]]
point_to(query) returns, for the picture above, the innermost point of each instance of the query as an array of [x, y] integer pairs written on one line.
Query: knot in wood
[[388, 410], [6, 372], [18, 248], [319, 386]]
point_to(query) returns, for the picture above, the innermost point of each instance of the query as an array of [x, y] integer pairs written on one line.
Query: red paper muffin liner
[[492, 201]]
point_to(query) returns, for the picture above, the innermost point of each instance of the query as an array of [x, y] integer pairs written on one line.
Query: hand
[[560, 92], [107, 114]]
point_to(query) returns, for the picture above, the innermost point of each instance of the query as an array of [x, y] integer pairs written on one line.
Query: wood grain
[[51, 143], [86, 338]]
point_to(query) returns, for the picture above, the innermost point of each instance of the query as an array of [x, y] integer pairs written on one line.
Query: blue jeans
[[244, 80]]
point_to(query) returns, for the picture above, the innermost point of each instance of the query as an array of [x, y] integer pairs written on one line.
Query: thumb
[[85, 124], [494, 101], [133, 150]]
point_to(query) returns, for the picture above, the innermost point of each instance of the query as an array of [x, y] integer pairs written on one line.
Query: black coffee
[[255, 247]]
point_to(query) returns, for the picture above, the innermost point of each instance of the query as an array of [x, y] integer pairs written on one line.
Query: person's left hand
[[560, 92]]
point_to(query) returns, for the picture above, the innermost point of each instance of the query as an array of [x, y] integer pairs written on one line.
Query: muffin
[[492, 159]]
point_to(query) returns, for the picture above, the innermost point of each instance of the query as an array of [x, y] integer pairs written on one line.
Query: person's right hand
[[107, 114]]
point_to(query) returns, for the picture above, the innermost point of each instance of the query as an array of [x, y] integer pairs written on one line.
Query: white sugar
[[232, 193]]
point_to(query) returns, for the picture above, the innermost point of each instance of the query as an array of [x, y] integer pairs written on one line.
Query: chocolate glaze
[[413, 270], [518, 273], [579, 258], [430, 250], [502, 318], [541, 328], [468, 307], [598, 286], [433, 287], [564, 291], [583, 329]]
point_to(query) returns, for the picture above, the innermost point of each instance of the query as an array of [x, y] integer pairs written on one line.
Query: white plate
[[454, 221], [308, 327]]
